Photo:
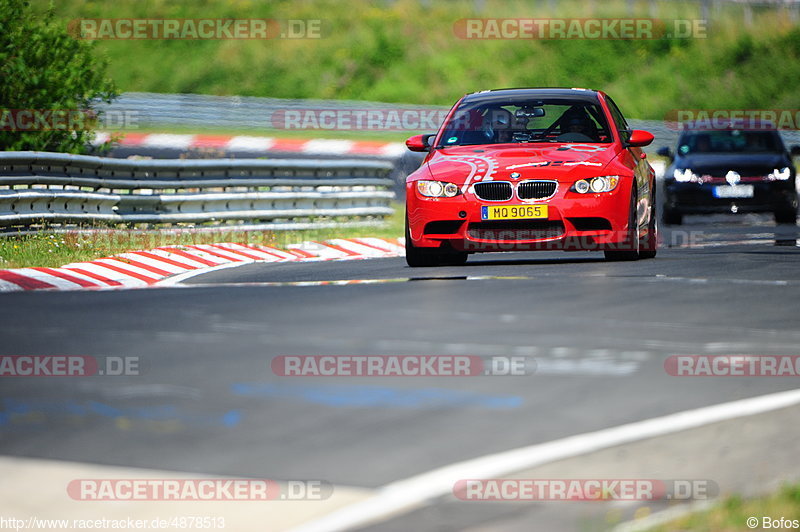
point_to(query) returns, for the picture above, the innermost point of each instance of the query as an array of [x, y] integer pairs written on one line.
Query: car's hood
[[719, 164], [555, 161]]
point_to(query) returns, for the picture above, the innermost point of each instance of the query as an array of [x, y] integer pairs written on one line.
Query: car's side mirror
[[639, 138], [664, 151], [420, 142], [794, 150]]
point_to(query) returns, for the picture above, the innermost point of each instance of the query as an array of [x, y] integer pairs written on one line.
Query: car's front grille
[[536, 189], [510, 231], [494, 191]]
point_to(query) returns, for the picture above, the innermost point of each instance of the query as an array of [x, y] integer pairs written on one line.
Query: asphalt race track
[[207, 402]]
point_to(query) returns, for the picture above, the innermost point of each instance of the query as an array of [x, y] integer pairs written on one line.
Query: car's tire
[[670, 217], [786, 216], [650, 244], [426, 257], [632, 242]]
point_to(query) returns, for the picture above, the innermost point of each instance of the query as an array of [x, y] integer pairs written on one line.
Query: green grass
[[53, 250], [732, 514], [406, 51]]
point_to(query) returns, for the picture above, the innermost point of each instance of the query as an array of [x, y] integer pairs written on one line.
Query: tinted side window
[[619, 120]]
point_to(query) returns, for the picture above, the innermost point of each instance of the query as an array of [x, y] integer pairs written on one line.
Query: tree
[[47, 78]]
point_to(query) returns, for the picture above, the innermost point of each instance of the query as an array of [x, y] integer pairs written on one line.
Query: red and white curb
[[258, 144], [163, 265]]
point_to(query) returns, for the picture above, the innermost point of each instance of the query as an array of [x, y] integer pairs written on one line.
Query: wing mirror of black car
[[795, 150], [420, 142], [664, 151]]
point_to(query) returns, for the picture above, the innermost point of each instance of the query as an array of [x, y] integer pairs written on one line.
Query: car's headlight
[[781, 175], [684, 176], [437, 189], [604, 183]]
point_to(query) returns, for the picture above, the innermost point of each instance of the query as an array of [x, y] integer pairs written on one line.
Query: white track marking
[[377, 242], [127, 267], [226, 253], [245, 143], [328, 146], [106, 273], [404, 495], [222, 255], [198, 254], [178, 279], [161, 265], [238, 248], [321, 250], [188, 263], [393, 149], [86, 278], [8, 286], [280, 252], [35, 489], [180, 142], [58, 282], [358, 247]]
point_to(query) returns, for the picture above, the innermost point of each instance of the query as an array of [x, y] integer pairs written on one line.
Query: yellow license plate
[[513, 212]]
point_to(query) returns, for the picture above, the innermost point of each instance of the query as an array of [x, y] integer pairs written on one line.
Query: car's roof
[[545, 93]]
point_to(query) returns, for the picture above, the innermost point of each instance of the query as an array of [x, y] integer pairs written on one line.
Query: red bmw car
[[531, 169]]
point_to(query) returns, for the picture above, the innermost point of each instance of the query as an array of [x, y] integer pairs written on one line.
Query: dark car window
[[623, 128], [525, 121], [730, 141]]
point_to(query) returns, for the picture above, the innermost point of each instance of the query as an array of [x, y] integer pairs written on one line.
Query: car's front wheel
[[787, 215], [631, 245], [650, 244]]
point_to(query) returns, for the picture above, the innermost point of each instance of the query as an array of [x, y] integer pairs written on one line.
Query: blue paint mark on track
[[377, 396], [56, 409]]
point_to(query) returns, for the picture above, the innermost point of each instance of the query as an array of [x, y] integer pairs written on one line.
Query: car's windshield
[[729, 141], [525, 121]]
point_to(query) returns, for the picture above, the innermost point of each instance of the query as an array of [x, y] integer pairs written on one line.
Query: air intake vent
[[511, 231]]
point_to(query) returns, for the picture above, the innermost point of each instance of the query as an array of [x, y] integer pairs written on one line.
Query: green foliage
[[407, 51], [43, 68], [732, 512]]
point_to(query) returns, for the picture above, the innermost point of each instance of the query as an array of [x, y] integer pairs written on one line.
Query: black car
[[730, 171]]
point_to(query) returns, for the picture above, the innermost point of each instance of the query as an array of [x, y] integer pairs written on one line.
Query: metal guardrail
[[40, 189], [201, 111], [149, 109]]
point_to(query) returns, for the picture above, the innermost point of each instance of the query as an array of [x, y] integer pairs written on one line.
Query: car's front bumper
[[696, 198], [574, 222]]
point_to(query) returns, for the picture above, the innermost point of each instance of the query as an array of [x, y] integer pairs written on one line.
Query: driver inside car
[[577, 127], [497, 126]]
